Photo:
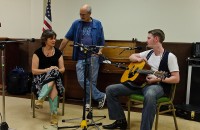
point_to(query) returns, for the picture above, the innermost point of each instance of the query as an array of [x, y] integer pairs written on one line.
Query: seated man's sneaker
[[118, 124], [102, 102]]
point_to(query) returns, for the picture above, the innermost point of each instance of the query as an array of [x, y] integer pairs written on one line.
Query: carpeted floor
[[18, 115]]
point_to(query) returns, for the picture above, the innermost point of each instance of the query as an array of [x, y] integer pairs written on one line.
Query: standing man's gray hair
[[88, 8]]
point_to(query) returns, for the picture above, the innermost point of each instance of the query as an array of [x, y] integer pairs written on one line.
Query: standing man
[[88, 32], [159, 60]]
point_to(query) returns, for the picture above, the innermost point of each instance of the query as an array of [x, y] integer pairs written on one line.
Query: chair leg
[[63, 105], [157, 116], [129, 109], [33, 104], [31, 100], [174, 116]]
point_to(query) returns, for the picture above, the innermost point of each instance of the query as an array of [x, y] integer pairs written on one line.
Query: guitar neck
[[145, 71]]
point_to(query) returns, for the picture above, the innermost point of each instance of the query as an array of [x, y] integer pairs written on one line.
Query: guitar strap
[[149, 54], [163, 67]]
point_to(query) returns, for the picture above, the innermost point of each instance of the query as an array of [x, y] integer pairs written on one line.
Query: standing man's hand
[[100, 51]]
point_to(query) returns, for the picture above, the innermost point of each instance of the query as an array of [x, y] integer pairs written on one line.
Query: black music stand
[[90, 116], [2, 47]]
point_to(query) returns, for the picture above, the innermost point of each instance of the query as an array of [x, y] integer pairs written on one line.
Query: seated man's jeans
[[151, 94]]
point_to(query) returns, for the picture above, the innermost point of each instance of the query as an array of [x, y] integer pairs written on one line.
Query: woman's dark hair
[[159, 33], [47, 34]]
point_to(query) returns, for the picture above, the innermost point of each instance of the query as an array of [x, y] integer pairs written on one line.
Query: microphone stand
[[3, 123], [84, 124], [90, 114], [2, 47]]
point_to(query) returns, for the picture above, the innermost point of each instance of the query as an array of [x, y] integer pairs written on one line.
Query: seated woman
[[47, 68]]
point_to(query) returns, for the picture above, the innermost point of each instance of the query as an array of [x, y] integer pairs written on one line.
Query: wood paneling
[[11, 57]]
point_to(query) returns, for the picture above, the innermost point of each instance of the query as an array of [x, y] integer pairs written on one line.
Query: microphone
[[134, 48], [22, 40], [82, 47]]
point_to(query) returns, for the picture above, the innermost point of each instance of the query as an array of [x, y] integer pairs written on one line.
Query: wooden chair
[[163, 101], [33, 97]]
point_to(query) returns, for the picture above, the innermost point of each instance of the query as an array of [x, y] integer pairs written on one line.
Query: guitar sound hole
[[131, 74]]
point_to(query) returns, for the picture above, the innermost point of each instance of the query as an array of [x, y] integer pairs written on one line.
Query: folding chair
[[163, 101]]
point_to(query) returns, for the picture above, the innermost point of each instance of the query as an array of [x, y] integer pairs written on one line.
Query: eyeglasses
[[82, 14]]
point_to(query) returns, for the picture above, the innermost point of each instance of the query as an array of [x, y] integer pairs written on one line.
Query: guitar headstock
[[161, 74]]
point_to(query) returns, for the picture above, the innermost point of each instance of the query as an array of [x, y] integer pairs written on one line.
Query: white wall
[[37, 18], [21, 18], [121, 19], [14, 18]]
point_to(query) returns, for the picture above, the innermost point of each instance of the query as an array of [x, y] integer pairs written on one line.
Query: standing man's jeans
[[151, 94], [91, 77]]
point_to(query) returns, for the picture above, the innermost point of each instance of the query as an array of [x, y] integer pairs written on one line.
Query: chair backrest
[[172, 92]]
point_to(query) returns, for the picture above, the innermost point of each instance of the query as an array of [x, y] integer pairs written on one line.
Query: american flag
[[47, 18]]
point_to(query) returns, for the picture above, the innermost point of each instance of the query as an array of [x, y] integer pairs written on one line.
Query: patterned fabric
[[52, 75]]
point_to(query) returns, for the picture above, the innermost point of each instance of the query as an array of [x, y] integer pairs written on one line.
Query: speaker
[[196, 49], [193, 83]]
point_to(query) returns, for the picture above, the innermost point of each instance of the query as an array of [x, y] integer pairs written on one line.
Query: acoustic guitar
[[137, 71]]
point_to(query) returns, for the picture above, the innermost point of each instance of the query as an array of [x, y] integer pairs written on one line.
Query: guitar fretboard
[[145, 71]]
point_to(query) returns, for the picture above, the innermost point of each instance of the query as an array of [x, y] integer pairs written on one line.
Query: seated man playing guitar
[[155, 86]]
